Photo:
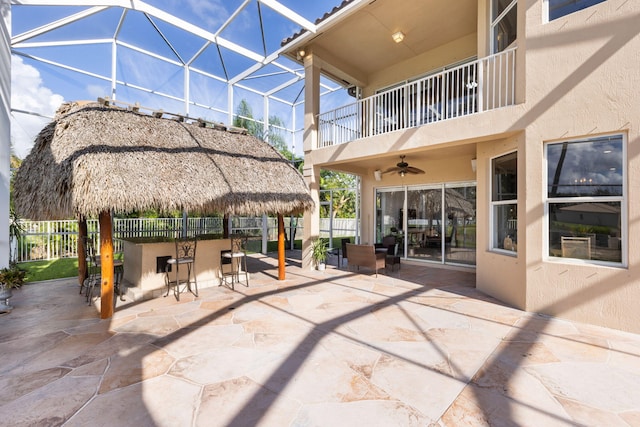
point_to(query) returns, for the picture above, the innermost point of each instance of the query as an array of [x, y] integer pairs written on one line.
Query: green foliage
[[12, 277], [15, 163], [151, 213], [244, 119], [319, 250], [344, 199], [15, 230]]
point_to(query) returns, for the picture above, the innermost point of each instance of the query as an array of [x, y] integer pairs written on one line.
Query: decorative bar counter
[[145, 260]]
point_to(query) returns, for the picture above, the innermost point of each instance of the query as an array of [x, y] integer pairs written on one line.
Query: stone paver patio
[[417, 347]]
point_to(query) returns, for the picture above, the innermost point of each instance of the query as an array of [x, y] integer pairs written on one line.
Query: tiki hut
[[95, 159]]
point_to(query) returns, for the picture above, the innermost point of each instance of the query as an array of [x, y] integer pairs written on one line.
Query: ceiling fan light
[[402, 173]]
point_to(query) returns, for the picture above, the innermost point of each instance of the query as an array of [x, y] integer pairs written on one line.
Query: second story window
[[559, 8], [504, 18]]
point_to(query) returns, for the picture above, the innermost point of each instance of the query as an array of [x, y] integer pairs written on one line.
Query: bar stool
[[185, 257], [236, 257]]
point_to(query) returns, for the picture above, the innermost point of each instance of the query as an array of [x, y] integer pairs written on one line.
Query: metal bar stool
[[185, 257], [236, 258]]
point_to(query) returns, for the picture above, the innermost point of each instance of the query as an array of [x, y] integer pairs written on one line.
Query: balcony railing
[[481, 85]]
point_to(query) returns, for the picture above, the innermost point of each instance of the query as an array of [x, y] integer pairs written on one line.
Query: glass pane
[[505, 30], [498, 7], [424, 232], [560, 8], [505, 177], [505, 227], [460, 244], [389, 205], [585, 168], [585, 230]]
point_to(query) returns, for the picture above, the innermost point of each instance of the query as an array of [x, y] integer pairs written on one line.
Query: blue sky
[[40, 88]]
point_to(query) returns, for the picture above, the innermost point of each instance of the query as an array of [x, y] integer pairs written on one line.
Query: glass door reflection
[[424, 224], [389, 216]]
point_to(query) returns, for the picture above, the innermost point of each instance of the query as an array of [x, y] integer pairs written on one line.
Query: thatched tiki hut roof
[[94, 159]]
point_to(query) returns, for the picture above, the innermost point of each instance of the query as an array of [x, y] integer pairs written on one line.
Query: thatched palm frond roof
[[93, 158]]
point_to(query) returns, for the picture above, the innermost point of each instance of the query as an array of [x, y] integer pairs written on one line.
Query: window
[[504, 19], [559, 8], [585, 197], [504, 202]]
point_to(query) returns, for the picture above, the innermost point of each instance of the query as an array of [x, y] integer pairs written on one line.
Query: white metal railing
[[485, 84], [46, 240]]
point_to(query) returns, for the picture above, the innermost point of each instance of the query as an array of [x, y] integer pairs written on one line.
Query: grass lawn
[[53, 269]]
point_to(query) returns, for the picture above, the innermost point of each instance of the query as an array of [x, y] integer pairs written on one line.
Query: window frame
[[493, 244], [623, 200]]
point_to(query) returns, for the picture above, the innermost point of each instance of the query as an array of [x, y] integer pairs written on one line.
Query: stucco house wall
[[576, 77]]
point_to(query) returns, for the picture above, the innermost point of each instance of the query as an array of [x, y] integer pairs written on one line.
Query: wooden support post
[[82, 251], [106, 259], [281, 251], [225, 226]]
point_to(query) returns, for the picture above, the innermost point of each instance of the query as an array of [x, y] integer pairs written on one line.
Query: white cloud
[[98, 91], [29, 94], [212, 12]]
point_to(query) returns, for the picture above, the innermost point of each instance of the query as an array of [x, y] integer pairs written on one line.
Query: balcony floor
[[340, 348]]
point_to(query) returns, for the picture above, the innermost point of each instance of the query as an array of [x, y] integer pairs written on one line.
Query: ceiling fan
[[403, 168]]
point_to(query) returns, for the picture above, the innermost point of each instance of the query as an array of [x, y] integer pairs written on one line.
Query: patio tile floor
[[416, 347]]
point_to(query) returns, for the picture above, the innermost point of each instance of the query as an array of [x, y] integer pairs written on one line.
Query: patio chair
[[341, 252], [236, 259], [389, 245], [185, 258], [387, 242]]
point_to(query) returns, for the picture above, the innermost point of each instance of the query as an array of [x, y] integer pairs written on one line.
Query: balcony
[[485, 84]]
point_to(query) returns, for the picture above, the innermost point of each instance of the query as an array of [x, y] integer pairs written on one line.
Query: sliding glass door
[[434, 223], [424, 228], [460, 205]]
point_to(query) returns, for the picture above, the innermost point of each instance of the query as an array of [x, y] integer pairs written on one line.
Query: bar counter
[[145, 259]]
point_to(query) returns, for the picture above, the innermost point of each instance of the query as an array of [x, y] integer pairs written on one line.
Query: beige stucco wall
[[582, 80], [508, 284], [455, 51], [576, 77], [442, 170]]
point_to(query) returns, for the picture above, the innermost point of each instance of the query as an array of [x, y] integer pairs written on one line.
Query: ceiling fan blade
[[412, 169], [393, 169]]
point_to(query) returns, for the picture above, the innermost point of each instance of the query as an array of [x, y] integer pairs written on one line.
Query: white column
[[311, 172], [5, 128]]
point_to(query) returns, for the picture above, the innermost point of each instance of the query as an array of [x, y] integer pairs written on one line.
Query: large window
[[504, 19], [504, 202], [585, 197], [559, 8]]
